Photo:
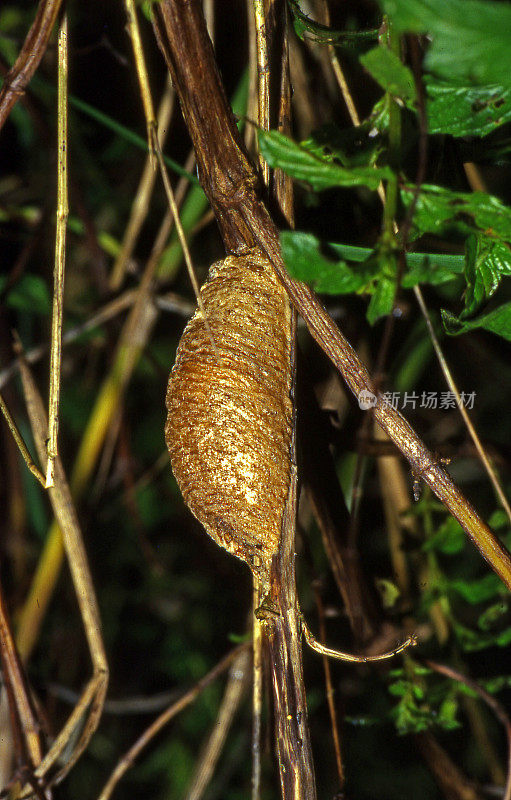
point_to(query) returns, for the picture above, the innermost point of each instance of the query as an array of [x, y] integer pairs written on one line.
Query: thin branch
[[338, 72], [463, 411], [107, 312], [30, 55], [34, 469], [24, 717], [411, 641], [490, 701], [263, 78], [237, 683], [129, 758], [60, 257], [85, 717], [330, 693], [141, 204], [155, 148]]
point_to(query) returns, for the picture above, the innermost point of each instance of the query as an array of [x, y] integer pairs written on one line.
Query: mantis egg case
[[229, 407]]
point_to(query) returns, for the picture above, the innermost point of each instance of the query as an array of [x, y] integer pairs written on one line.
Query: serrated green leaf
[[389, 71], [449, 538], [486, 261], [439, 210], [470, 38], [498, 322], [320, 171], [466, 110]]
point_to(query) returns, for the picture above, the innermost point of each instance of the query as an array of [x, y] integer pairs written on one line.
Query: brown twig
[[30, 55], [330, 692]]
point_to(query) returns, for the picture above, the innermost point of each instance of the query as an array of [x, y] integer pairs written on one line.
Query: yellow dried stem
[[229, 418]]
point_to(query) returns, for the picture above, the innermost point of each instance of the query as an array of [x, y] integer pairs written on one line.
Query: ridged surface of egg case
[[229, 408]]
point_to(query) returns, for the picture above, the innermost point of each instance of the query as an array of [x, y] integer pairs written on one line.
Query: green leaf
[[496, 684], [498, 322], [499, 519], [352, 147], [323, 34], [390, 72], [389, 592], [480, 590], [382, 300], [466, 110], [304, 261], [491, 618], [487, 260], [30, 293], [470, 38], [319, 170], [433, 269], [439, 210], [476, 640], [447, 713], [449, 538]]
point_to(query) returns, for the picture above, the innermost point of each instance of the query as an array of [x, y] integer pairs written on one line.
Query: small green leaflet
[[390, 72], [382, 300], [498, 321], [476, 640], [470, 38], [487, 261], [479, 590], [305, 163], [449, 538], [29, 293]]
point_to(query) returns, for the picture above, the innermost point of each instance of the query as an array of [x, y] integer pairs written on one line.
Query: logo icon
[[366, 400]]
